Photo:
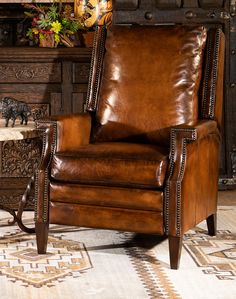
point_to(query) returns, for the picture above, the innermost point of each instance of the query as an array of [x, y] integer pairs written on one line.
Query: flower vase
[[87, 38], [47, 41]]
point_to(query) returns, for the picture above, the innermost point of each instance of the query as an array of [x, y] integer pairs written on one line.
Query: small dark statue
[[11, 109]]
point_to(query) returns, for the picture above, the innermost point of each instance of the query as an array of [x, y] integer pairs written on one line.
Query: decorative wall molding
[[36, 72], [81, 72], [12, 201]]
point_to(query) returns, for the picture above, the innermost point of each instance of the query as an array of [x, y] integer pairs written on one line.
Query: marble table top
[[18, 132]]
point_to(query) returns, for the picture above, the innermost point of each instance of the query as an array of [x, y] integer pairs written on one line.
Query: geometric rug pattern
[[89, 263], [20, 261], [216, 255], [151, 273]]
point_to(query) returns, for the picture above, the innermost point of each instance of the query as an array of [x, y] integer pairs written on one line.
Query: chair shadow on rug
[[145, 156], [142, 241]]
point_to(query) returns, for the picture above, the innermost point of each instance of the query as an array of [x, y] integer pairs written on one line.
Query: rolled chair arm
[[69, 131]]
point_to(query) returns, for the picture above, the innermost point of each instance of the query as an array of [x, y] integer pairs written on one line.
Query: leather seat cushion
[[112, 163], [107, 196]]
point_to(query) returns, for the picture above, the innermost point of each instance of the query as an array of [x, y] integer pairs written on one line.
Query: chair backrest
[[145, 79]]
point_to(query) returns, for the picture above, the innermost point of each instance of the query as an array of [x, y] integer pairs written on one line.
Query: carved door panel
[[18, 160]]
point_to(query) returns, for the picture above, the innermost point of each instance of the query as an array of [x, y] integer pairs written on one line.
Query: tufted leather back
[[150, 79]]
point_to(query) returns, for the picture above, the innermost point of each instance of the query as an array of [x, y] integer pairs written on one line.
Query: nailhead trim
[[94, 86], [214, 75], [46, 179], [211, 57], [180, 177]]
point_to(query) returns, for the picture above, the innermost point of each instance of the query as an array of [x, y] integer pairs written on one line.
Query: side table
[[19, 132]]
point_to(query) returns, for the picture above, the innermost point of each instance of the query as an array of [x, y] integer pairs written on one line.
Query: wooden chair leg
[[41, 236], [175, 246], [211, 224]]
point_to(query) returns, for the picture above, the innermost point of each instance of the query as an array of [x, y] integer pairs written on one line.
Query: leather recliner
[[145, 156]]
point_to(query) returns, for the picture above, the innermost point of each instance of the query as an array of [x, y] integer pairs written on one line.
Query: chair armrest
[[63, 133], [72, 130], [194, 130], [60, 133], [182, 134], [194, 149]]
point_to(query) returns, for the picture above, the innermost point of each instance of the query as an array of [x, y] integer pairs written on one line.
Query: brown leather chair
[[144, 158]]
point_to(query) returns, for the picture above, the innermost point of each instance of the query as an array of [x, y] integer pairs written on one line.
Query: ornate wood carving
[[33, 72], [81, 72], [233, 161], [12, 200], [226, 182], [44, 79], [20, 158], [39, 111]]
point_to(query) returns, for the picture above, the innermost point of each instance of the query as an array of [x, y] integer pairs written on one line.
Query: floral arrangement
[[60, 23], [52, 24]]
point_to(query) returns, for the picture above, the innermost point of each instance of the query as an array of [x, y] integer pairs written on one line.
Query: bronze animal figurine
[[12, 108]]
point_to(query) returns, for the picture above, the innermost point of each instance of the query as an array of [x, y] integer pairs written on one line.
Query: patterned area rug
[[20, 261], [101, 264], [216, 255]]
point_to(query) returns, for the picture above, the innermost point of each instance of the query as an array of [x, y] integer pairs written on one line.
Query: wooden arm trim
[[180, 136], [96, 68], [48, 129]]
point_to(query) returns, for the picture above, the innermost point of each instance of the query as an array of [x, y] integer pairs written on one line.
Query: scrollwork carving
[[81, 72], [39, 111], [12, 201], [38, 72], [20, 158]]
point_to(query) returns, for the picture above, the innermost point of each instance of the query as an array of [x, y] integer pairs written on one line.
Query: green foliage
[[43, 22], [71, 25], [30, 33], [53, 13], [55, 19]]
